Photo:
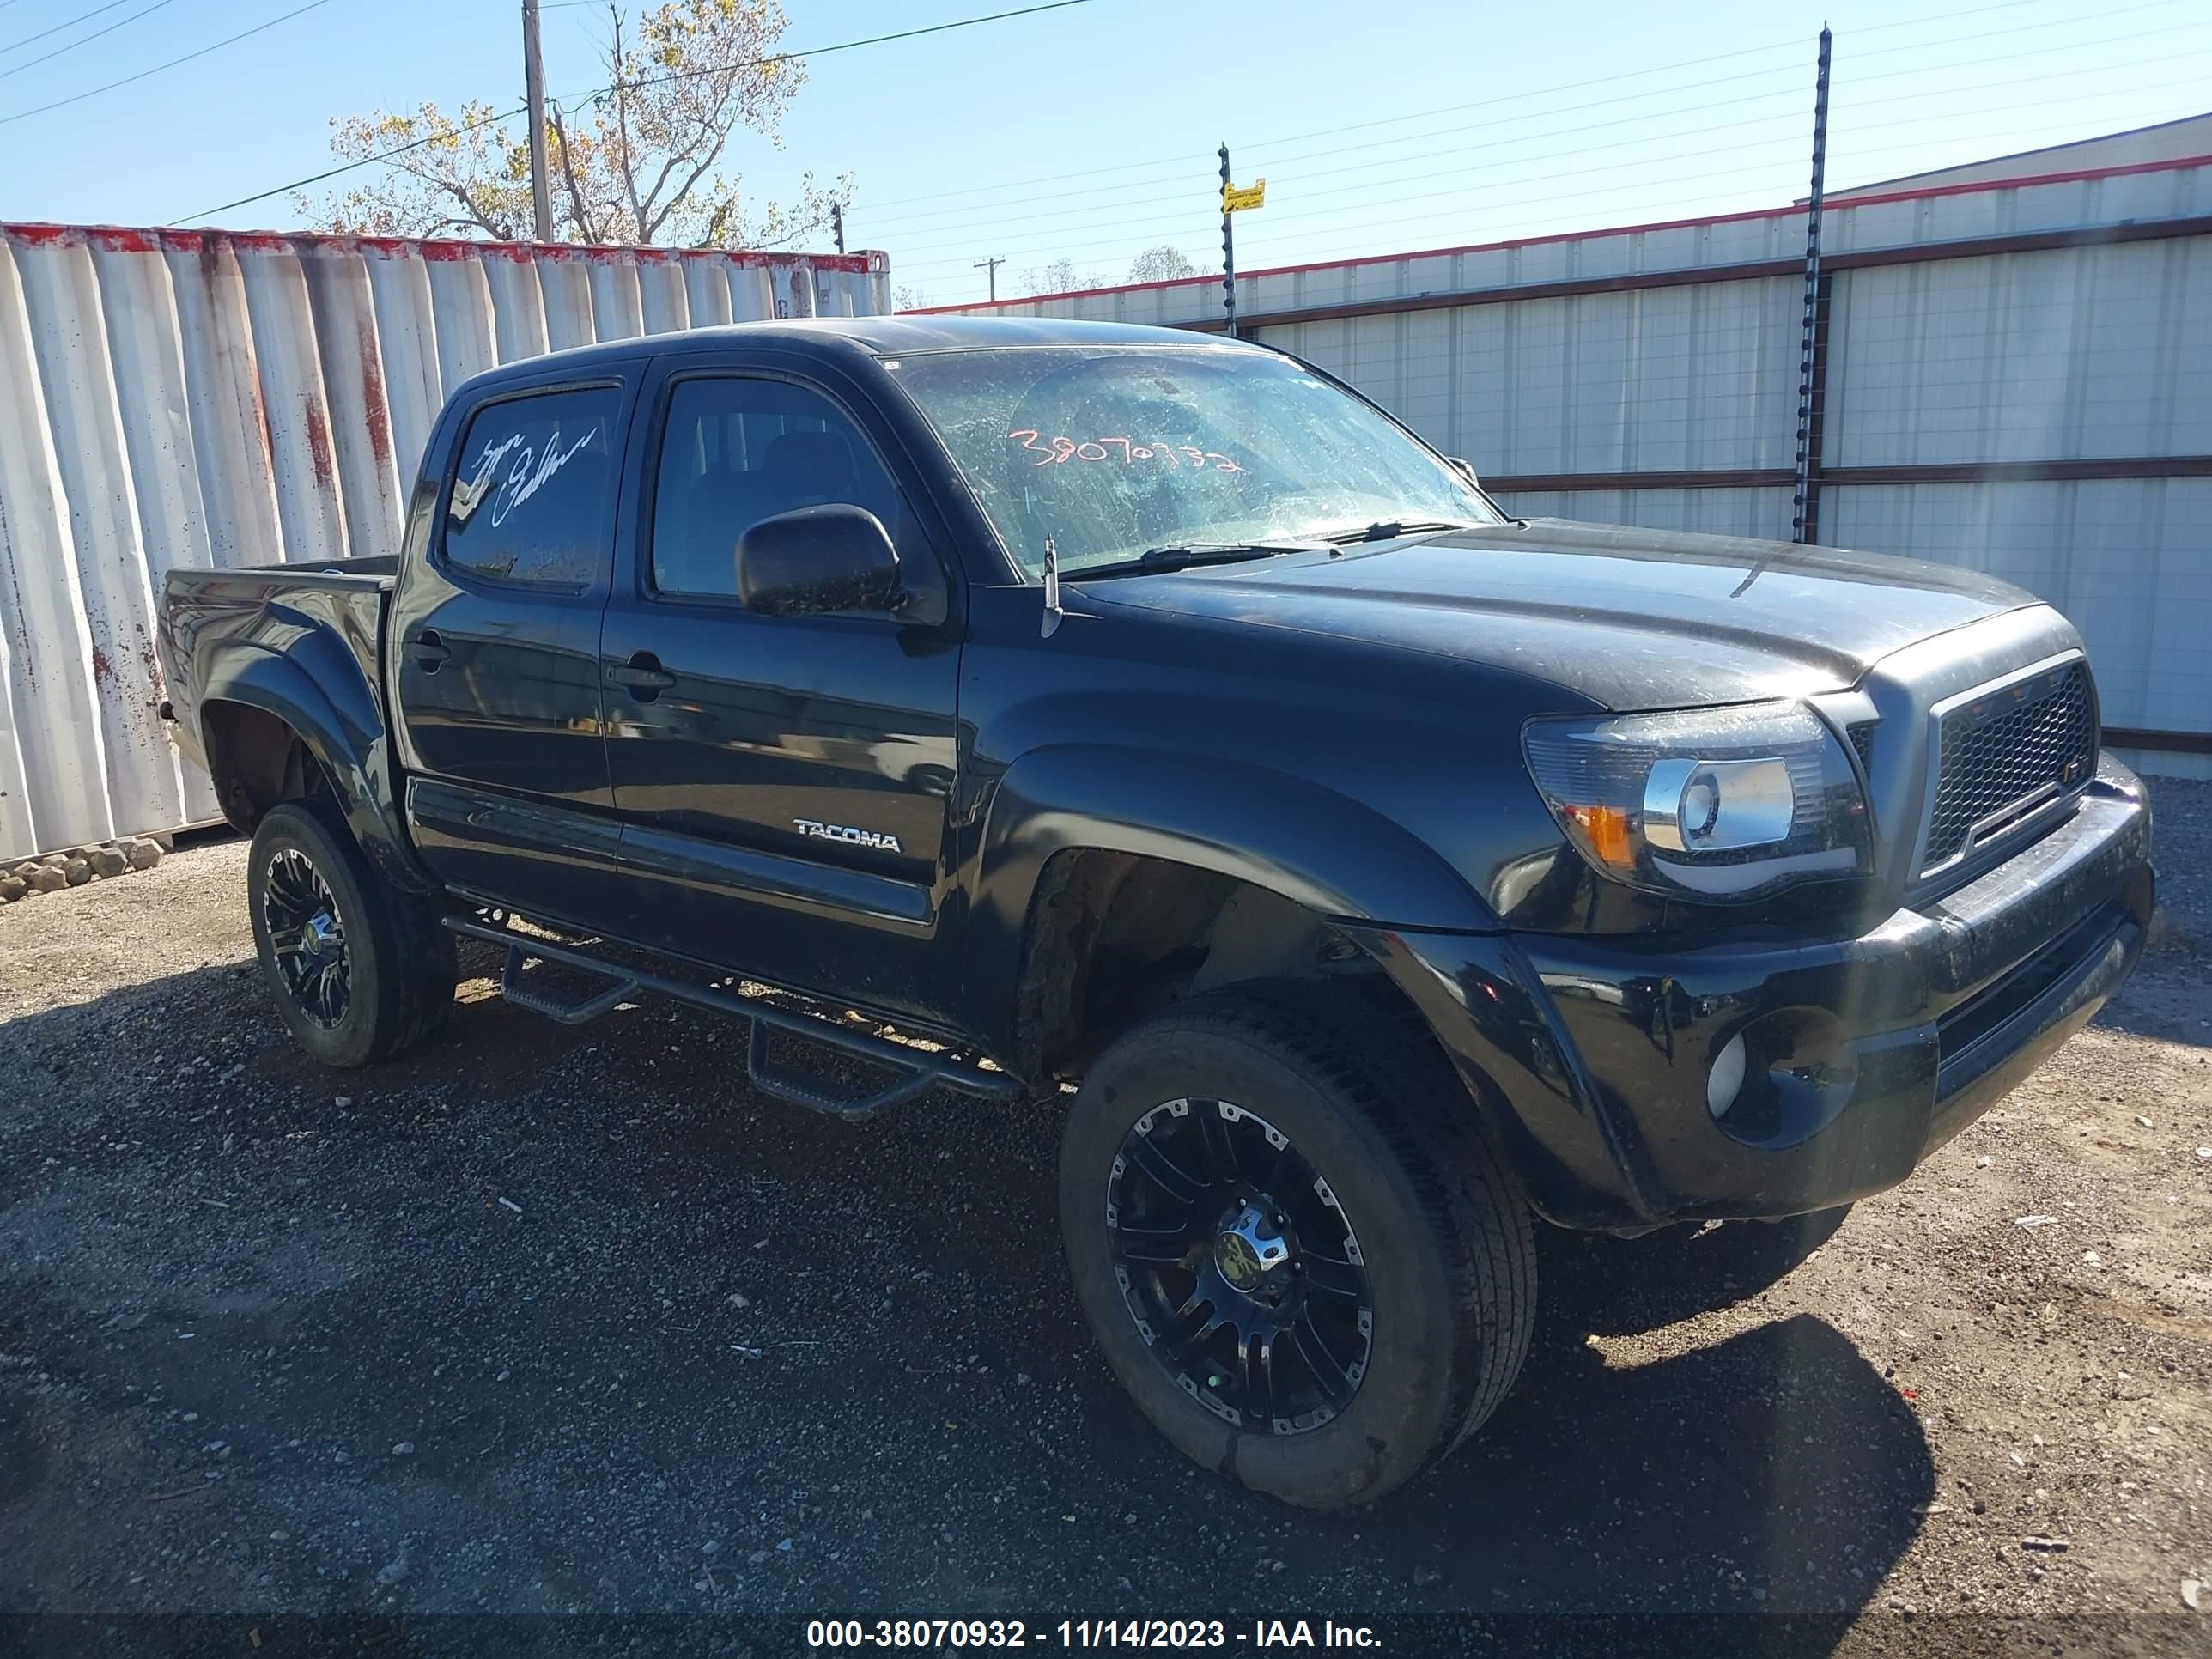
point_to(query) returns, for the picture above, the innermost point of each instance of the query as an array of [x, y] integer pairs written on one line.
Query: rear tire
[[1342, 1146], [362, 970]]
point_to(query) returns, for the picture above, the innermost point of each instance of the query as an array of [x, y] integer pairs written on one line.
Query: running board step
[[919, 1071], [512, 987]]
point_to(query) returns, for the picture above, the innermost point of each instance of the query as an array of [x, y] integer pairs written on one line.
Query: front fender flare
[[1323, 850]]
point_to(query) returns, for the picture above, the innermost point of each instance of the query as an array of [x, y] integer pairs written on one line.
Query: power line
[[1980, 35], [1202, 213], [67, 23], [1698, 87], [674, 75], [1162, 161], [128, 80], [963, 227], [1487, 103], [1267, 161], [1795, 89], [953, 234], [86, 40], [1644, 207], [1915, 23], [752, 62], [1295, 182], [1031, 218]]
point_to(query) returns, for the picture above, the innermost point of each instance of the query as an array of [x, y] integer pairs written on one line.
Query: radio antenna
[[1053, 613]]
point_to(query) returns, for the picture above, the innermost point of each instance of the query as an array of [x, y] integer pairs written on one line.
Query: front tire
[[1296, 1248], [361, 970]]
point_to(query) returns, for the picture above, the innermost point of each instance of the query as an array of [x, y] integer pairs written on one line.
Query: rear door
[[784, 782], [496, 635]]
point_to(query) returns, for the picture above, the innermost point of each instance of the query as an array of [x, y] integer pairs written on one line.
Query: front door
[[784, 782], [496, 637]]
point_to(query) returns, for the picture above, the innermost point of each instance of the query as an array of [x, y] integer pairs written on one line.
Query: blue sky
[[1090, 132]]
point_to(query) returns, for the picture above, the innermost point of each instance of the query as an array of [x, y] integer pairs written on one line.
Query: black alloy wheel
[[306, 936], [360, 968], [1296, 1245], [1237, 1263]]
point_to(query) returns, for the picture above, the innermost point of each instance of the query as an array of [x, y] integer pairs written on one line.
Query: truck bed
[[326, 620]]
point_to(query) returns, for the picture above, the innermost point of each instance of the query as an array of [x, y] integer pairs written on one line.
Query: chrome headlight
[[1716, 804]]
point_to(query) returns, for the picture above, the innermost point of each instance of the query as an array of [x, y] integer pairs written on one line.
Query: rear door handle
[[428, 649], [644, 676]]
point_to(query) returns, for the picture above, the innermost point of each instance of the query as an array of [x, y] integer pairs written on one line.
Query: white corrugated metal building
[[2015, 375], [204, 398]]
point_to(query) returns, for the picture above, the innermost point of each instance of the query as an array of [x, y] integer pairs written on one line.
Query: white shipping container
[[212, 398]]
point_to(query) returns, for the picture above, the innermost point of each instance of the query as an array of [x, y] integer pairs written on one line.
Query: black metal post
[[1805, 510], [1228, 251]]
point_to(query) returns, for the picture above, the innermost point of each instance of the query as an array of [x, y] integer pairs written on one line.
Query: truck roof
[[876, 336]]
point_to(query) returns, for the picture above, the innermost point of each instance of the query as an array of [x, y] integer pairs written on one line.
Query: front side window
[[1112, 451], [532, 496], [734, 452]]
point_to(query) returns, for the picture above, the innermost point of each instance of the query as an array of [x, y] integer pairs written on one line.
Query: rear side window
[[532, 500], [734, 452]]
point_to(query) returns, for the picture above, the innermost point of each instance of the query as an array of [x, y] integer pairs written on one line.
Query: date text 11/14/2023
[[936, 1634]]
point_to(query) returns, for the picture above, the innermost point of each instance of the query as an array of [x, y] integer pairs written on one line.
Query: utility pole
[[1805, 507], [837, 223], [1228, 251], [991, 265], [533, 79]]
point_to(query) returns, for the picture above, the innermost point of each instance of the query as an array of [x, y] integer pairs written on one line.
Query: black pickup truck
[[1150, 728]]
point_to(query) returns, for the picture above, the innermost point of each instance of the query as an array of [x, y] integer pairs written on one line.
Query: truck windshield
[[1114, 451]]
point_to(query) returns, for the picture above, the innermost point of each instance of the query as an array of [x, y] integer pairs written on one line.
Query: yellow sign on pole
[[1236, 200]]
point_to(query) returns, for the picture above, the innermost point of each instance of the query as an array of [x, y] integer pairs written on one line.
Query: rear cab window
[[530, 501]]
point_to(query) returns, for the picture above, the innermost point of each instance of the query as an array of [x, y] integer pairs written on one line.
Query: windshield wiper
[[1385, 530], [1183, 556]]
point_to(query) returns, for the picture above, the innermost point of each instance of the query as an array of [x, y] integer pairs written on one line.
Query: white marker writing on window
[[530, 473]]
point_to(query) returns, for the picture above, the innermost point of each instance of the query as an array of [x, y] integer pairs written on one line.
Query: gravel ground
[[553, 1321]]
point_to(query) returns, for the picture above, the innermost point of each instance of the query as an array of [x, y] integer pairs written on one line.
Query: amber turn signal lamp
[[1607, 829]]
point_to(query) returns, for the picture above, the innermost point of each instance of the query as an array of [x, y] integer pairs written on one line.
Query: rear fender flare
[[314, 687]]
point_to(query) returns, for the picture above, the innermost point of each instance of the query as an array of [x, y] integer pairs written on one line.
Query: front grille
[[2006, 753], [1862, 735]]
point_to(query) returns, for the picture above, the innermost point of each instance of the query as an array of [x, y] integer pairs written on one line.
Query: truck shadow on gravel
[[535, 1316], [2167, 996]]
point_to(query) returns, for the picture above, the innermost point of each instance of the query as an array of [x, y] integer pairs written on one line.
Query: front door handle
[[643, 675], [428, 650]]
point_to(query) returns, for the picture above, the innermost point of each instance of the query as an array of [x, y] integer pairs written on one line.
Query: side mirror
[[818, 560], [1464, 468]]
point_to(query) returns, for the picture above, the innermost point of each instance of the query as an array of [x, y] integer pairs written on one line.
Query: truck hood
[[1630, 618]]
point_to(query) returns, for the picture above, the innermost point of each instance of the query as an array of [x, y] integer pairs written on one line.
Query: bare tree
[[636, 165], [1061, 276], [1162, 263]]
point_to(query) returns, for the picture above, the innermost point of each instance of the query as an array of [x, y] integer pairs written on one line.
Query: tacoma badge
[[846, 832]]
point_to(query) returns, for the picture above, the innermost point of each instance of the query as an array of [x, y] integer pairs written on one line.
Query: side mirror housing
[[816, 560], [1464, 468]]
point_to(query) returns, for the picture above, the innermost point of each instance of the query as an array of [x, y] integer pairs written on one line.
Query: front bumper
[[1866, 1053]]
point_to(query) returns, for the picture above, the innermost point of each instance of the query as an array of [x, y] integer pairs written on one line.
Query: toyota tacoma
[[1150, 727]]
